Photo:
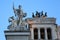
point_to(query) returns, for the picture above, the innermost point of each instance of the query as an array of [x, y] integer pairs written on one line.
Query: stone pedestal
[[17, 35]]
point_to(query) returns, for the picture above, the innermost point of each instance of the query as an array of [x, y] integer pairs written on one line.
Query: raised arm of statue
[[14, 10]]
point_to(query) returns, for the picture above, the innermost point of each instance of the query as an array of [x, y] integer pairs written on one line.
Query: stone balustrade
[[41, 20]]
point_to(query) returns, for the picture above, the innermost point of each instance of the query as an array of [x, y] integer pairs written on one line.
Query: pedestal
[[17, 35]]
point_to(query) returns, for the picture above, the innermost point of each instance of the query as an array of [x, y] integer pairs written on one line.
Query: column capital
[[45, 28]]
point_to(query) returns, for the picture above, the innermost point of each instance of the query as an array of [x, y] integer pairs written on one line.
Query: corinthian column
[[46, 38], [39, 34], [32, 34]]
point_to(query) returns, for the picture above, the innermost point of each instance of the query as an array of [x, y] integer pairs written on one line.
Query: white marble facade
[[43, 23]]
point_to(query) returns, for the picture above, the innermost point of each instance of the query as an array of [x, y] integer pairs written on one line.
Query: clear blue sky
[[52, 7]]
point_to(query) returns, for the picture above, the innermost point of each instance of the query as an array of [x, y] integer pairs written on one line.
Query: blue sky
[[52, 7]]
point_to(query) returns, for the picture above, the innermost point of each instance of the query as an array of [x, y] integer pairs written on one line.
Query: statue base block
[[17, 35]]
